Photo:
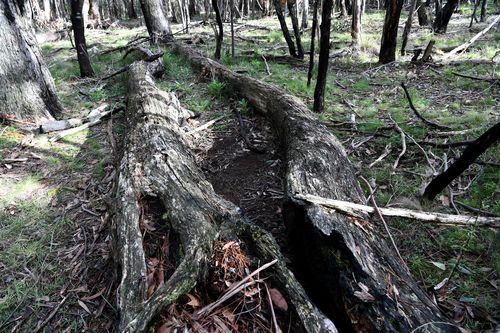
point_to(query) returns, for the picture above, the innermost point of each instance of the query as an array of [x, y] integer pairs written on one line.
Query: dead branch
[[244, 135], [428, 122], [204, 126], [51, 315], [487, 79], [403, 143], [353, 209]]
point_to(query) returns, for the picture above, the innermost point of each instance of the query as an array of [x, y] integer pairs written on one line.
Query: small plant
[[245, 106], [215, 88], [275, 37]]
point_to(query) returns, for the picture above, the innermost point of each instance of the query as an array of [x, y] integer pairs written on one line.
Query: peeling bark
[[344, 264]]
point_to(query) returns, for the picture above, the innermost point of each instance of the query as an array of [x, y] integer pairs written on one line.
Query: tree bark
[[292, 9], [27, 90], [313, 35], [407, 29], [483, 11], [470, 154], [79, 34], [324, 56], [284, 28], [305, 13], [423, 13], [349, 271], [156, 21], [94, 14], [356, 23], [220, 32], [390, 31], [443, 15], [158, 169]]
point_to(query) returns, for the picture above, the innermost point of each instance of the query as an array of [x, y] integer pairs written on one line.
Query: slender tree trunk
[[79, 34], [390, 31], [232, 27], [94, 15], [343, 9], [406, 31], [284, 28], [132, 12], [423, 13], [292, 8], [156, 21], [473, 16], [356, 23], [313, 35], [220, 33], [324, 55], [305, 13], [483, 10], [27, 89]]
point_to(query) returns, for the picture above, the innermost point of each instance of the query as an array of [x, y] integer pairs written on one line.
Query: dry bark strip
[[157, 163], [344, 264]]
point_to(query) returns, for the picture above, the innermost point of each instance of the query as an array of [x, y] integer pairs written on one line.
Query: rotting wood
[[362, 264], [157, 162], [356, 210], [59, 125]]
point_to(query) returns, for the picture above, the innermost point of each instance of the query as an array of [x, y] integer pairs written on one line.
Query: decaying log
[[157, 163], [59, 125], [354, 209], [344, 264]]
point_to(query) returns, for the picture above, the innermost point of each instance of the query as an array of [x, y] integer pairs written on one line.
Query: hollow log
[[343, 262], [157, 166]]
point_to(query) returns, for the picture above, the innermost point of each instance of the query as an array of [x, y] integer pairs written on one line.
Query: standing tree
[[284, 28], [292, 9], [219, 33], [27, 89], [483, 11], [356, 23], [156, 20], [313, 35], [79, 33], [443, 15], [324, 55], [423, 12], [390, 31], [406, 31]]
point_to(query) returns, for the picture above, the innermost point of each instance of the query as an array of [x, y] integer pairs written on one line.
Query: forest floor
[[55, 197]]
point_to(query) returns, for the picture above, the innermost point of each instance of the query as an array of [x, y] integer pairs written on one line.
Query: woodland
[[249, 166]]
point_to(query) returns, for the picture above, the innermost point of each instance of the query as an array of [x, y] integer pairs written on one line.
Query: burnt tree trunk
[[158, 163], [155, 19], [292, 9], [407, 29], [220, 31], [305, 13], [356, 23], [79, 35], [443, 15], [470, 154], [423, 13], [345, 264], [483, 10], [284, 28], [27, 89], [324, 56], [390, 31], [313, 35]]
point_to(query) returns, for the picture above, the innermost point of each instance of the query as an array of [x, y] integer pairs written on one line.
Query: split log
[[343, 262], [157, 163]]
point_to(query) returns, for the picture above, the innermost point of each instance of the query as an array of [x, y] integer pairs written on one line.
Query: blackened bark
[[284, 28], [231, 2], [324, 55], [132, 13], [312, 49], [220, 33], [79, 34], [292, 9], [407, 29], [470, 154], [423, 13], [390, 31], [27, 89], [483, 11], [473, 16], [156, 20], [443, 15]]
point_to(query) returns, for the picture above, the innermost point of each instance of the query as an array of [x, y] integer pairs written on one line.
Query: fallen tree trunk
[[344, 264], [158, 172]]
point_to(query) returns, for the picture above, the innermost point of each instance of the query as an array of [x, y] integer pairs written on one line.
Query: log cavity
[[161, 244], [251, 180]]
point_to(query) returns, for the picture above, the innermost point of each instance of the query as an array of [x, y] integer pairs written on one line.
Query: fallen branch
[[403, 143], [51, 315], [353, 209], [466, 45], [204, 126], [487, 79], [428, 122], [445, 145], [470, 154], [267, 66], [59, 125], [244, 135]]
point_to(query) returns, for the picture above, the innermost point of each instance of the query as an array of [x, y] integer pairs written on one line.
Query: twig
[[403, 142], [487, 79], [477, 210], [204, 126], [267, 66], [354, 209], [276, 327], [377, 210], [445, 145], [51, 315], [249, 144], [387, 151], [428, 122]]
